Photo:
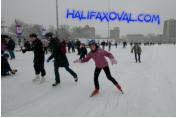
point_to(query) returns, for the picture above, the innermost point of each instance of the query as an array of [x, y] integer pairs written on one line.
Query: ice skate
[[42, 79], [36, 78]]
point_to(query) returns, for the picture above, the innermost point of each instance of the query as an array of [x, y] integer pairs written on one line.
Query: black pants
[[82, 56], [108, 75], [78, 48], [137, 57], [73, 49], [69, 49], [45, 50], [39, 68]]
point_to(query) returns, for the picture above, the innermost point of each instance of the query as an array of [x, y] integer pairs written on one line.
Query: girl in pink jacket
[[98, 55]]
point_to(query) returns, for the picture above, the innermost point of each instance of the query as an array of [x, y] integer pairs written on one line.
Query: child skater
[[98, 55], [83, 52]]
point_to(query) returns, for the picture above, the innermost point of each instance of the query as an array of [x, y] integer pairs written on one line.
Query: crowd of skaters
[[68, 46], [57, 49]]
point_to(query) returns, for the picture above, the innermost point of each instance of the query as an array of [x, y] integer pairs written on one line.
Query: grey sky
[[43, 12]]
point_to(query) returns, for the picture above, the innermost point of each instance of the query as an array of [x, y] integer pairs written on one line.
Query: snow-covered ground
[[150, 87]]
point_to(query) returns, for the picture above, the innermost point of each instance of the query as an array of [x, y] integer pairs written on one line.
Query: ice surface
[[149, 87]]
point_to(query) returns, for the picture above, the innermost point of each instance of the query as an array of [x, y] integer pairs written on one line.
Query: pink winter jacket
[[98, 57]]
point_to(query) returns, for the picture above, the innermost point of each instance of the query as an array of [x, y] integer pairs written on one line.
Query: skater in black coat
[[69, 46], [11, 47], [103, 44], [124, 44], [39, 57], [5, 66], [60, 59], [83, 52], [78, 44]]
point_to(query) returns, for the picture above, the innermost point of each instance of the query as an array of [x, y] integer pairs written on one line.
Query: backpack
[[63, 47]]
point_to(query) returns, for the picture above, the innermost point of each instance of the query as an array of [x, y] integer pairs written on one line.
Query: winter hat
[[33, 35], [3, 37], [83, 45], [6, 55], [49, 35], [92, 42]]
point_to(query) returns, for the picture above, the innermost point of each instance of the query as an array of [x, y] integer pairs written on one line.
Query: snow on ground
[[150, 87]]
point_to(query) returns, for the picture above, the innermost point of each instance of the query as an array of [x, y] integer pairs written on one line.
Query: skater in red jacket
[[98, 55]]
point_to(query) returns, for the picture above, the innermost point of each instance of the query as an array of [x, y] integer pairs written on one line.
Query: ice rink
[[149, 87]]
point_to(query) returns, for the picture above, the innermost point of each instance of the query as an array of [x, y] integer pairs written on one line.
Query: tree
[[51, 29], [64, 32], [37, 29], [76, 32], [27, 29]]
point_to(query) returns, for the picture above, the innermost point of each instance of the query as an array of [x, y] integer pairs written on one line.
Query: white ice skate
[[42, 80], [37, 77]]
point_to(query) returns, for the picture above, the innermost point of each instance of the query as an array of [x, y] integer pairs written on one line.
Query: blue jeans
[[12, 55], [57, 76]]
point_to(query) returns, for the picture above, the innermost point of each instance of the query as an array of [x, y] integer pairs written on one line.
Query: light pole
[[57, 29], [108, 22]]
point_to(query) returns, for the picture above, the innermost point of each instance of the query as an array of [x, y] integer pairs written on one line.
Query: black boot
[[76, 79]]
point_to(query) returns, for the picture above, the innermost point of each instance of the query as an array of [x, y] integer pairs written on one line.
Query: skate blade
[[55, 86], [122, 92], [93, 95], [76, 80]]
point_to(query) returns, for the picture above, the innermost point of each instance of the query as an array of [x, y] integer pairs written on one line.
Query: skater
[[98, 55], [78, 44], [73, 46], [103, 44], [109, 44], [11, 47], [39, 57], [131, 44], [83, 52], [116, 44], [124, 44], [45, 45], [106, 43], [60, 59], [69, 46], [137, 52], [5, 66]]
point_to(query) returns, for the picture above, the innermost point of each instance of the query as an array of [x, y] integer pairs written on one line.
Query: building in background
[[115, 33], [169, 30], [135, 38], [88, 32], [98, 36], [83, 32]]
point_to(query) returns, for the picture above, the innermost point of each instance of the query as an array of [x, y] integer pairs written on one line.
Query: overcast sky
[[43, 12]]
